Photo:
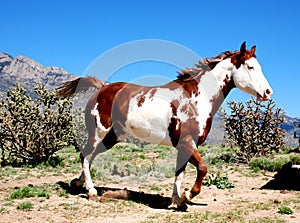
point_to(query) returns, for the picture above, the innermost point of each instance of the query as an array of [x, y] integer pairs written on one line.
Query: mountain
[[28, 72], [289, 125]]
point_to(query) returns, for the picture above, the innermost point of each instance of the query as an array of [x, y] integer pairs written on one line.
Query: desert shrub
[[285, 210], [29, 191], [295, 159], [79, 129], [25, 206], [273, 163], [269, 164], [220, 181], [32, 130], [254, 127]]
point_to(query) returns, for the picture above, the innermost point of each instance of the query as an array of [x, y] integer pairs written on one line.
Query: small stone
[[213, 187], [276, 201]]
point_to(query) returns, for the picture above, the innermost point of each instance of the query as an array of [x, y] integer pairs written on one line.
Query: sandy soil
[[244, 203]]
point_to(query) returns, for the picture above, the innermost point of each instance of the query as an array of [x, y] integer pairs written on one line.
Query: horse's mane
[[203, 66]]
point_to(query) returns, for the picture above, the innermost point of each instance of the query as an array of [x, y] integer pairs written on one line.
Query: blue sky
[[72, 34]]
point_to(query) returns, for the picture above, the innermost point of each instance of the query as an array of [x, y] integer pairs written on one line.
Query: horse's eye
[[250, 68]]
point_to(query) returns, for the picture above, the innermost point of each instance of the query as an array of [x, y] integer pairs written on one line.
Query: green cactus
[[254, 127], [32, 130]]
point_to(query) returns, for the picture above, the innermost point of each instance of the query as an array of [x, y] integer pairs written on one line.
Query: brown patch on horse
[[189, 109], [175, 124], [203, 137], [141, 100], [243, 55], [190, 87], [106, 97], [191, 127], [120, 104], [174, 105], [152, 92]]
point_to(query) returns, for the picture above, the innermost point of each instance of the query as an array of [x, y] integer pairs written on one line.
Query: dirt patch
[[148, 200]]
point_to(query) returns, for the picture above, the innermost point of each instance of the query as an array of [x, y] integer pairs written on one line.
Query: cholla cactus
[[254, 127], [32, 130]]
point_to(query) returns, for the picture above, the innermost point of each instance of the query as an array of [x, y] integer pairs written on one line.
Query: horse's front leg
[[177, 183], [201, 167], [185, 149], [187, 152]]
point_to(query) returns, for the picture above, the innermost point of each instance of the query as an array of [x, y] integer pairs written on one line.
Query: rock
[[213, 187]]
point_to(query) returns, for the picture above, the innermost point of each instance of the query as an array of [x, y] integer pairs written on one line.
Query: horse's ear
[[253, 49], [243, 48]]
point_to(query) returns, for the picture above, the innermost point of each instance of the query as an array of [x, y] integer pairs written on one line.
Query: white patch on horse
[[101, 131], [150, 120], [177, 125], [88, 180], [176, 189], [209, 88], [186, 109]]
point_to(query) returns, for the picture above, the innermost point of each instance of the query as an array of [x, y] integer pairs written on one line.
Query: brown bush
[[254, 127], [32, 130]]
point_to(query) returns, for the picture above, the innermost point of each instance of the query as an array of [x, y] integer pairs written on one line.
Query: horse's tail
[[78, 85]]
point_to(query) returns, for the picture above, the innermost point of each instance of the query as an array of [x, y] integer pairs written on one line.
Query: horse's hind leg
[[78, 182], [87, 155], [91, 150]]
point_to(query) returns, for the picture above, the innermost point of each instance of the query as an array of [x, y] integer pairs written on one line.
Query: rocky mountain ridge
[[28, 72]]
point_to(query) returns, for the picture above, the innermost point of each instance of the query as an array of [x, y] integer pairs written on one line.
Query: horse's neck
[[217, 84]]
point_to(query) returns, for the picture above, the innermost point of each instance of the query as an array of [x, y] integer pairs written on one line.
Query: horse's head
[[247, 74]]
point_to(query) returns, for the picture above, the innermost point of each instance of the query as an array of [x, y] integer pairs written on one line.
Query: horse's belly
[[150, 123]]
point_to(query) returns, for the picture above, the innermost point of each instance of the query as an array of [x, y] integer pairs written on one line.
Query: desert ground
[[135, 185]]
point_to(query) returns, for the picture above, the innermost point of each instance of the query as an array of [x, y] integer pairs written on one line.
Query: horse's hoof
[[185, 197], [179, 204], [182, 207], [93, 197]]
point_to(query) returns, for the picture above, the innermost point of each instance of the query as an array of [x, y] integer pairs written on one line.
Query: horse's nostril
[[268, 92]]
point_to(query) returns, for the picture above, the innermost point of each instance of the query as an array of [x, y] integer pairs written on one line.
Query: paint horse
[[177, 114]]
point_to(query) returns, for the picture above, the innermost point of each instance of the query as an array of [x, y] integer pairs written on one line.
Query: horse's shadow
[[155, 201]]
